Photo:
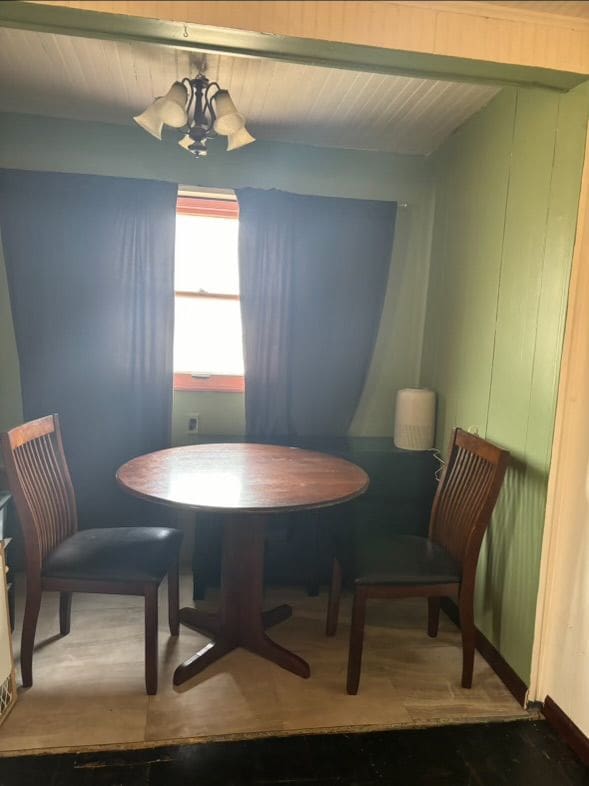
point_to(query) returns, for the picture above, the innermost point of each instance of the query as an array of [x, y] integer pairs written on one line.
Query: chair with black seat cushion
[[441, 565], [127, 560]]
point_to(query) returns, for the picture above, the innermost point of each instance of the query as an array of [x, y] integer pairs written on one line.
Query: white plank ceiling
[[108, 81]]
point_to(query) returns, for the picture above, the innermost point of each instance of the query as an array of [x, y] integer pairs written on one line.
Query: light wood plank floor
[[89, 688]]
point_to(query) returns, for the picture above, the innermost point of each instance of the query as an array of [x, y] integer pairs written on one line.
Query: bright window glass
[[206, 255], [207, 333]]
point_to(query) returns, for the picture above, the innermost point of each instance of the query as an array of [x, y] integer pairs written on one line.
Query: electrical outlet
[[193, 423], [473, 430]]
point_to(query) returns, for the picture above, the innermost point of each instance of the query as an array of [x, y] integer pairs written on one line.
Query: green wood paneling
[[511, 568], [466, 263], [507, 187], [531, 156]]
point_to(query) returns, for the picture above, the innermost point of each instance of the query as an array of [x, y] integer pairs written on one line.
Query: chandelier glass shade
[[202, 110], [240, 138]]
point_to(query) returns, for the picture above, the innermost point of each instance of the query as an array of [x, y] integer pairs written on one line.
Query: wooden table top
[[242, 478]]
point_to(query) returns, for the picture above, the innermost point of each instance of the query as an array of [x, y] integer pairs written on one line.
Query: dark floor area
[[498, 754]]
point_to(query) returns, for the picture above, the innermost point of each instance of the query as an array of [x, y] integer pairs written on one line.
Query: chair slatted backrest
[[467, 492], [41, 486]]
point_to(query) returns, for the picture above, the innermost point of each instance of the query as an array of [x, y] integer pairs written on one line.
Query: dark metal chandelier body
[[201, 114], [202, 110]]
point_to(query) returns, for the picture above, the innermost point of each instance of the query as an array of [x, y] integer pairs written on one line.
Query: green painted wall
[[10, 398], [95, 148], [507, 187]]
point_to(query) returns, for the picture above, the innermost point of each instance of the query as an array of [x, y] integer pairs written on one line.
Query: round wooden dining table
[[247, 483]]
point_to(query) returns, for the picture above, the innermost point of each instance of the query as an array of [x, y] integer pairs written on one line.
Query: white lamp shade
[[151, 120], [173, 107], [239, 139], [229, 120], [415, 419], [166, 110]]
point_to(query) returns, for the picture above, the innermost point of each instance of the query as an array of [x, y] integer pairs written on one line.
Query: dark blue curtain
[[313, 275], [90, 270]]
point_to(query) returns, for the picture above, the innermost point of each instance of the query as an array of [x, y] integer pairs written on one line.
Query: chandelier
[[202, 110]]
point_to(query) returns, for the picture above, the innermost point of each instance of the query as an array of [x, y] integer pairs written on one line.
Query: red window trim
[[215, 383], [215, 208]]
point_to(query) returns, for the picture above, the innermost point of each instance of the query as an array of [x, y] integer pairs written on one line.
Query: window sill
[[216, 383]]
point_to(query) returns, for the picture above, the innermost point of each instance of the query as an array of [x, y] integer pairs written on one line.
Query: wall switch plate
[[193, 423]]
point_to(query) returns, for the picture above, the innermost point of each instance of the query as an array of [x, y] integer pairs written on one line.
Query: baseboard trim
[[512, 681], [566, 729]]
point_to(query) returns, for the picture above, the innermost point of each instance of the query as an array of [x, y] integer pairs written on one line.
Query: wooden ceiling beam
[[383, 37]]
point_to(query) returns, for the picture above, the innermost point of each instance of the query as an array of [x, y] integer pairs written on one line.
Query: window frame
[[213, 383]]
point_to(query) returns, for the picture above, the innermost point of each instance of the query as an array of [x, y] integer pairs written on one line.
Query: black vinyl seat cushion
[[412, 560], [115, 554]]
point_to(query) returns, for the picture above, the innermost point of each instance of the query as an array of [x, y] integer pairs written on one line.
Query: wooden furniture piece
[[8, 692], [444, 564], [127, 560], [247, 484], [299, 545]]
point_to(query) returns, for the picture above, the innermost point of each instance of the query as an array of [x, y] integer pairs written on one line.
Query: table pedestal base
[[240, 621]]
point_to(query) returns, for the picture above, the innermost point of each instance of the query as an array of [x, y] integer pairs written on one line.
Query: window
[[208, 351]]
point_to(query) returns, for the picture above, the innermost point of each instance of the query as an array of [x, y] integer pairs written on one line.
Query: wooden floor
[[518, 753], [89, 690]]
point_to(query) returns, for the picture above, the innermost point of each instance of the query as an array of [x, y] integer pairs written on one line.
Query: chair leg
[[174, 599], [32, 606], [335, 591], [65, 612], [433, 616], [356, 640], [466, 609], [151, 653]]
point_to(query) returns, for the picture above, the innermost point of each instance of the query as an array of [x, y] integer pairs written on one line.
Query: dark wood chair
[[441, 565], [129, 560]]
